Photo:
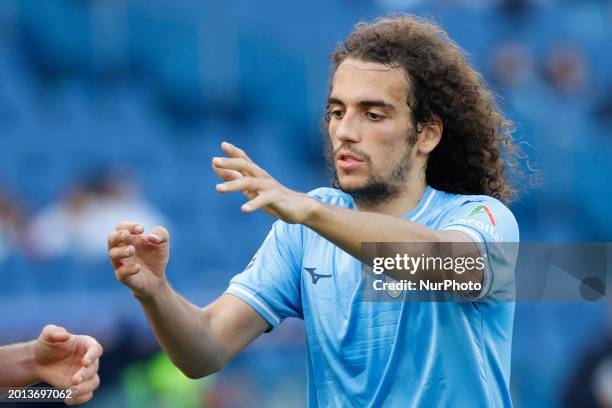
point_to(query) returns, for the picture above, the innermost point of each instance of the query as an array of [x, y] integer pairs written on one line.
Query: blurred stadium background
[[112, 110]]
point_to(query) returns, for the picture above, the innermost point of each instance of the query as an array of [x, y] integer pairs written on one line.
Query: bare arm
[[200, 341], [348, 229], [17, 367]]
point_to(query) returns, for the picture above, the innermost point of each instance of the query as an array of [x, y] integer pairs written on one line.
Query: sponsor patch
[[483, 209]]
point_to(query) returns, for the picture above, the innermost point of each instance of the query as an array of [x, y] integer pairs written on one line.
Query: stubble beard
[[376, 189]]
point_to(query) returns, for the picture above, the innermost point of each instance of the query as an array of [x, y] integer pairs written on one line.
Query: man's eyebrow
[[373, 103], [334, 101], [377, 103]]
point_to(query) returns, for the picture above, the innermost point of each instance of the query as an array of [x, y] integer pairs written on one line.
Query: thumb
[[158, 235], [52, 333]]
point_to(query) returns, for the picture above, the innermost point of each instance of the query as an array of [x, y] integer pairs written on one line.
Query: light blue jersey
[[392, 354]]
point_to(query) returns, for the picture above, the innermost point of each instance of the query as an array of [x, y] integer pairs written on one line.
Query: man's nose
[[347, 129]]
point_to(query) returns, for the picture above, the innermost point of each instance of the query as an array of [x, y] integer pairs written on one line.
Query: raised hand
[[240, 173], [67, 360], [139, 259]]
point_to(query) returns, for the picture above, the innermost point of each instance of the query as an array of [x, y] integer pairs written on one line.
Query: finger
[[239, 164], [133, 227], [94, 351], [229, 175], [119, 253], [158, 235], [234, 151], [60, 335], [242, 184], [52, 333], [261, 200], [225, 174], [124, 271], [85, 373], [87, 386], [119, 238], [77, 400]]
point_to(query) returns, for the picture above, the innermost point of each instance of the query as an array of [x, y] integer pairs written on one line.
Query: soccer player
[[416, 140], [58, 358]]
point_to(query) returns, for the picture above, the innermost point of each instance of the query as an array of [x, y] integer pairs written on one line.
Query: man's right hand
[[139, 260]]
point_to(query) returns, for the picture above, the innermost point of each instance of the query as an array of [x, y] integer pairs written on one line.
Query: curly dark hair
[[476, 142]]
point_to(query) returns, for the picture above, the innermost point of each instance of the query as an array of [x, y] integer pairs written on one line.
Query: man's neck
[[399, 205]]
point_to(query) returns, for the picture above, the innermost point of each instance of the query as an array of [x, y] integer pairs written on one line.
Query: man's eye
[[374, 116], [336, 113]]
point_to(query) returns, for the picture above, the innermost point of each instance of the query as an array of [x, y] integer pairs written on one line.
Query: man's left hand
[[240, 173]]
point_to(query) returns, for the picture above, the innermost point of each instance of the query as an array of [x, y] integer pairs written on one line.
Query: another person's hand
[[139, 260], [240, 173], [66, 360]]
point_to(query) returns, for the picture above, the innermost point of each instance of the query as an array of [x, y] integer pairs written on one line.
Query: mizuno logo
[[315, 276]]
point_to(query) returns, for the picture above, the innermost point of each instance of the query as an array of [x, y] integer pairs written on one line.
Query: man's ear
[[430, 134]]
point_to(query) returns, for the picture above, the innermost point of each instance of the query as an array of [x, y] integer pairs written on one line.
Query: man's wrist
[[313, 210], [30, 364], [155, 297]]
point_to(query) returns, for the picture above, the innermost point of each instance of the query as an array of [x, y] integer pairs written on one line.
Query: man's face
[[370, 129]]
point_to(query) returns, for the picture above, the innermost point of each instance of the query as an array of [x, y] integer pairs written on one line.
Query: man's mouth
[[348, 161], [349, 156]]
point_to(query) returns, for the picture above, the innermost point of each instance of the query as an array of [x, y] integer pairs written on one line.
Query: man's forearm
[[348, 229], [17, 365], [184, 333]]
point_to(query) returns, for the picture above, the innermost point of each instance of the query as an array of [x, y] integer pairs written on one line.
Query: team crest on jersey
[[394, 293], [483, 209]]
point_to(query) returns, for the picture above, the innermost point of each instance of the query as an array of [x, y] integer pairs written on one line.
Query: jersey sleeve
[[495, 231], [270, 283]]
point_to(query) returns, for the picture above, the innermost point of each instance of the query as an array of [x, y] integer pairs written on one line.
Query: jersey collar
[[423, 205]]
